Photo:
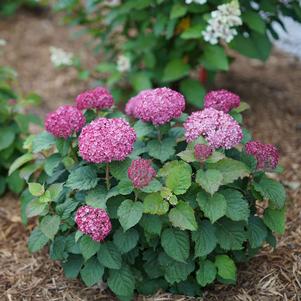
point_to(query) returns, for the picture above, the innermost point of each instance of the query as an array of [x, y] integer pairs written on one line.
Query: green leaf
[[142, 128], [51, 163], [271, 190], [187, 155], [161, 150], [97, 197], [37, 240], [82, 178], [15, 182], [214, 58], [193, 32], [275, 219], [109, 256], [88, 247], [257, 232], [175, 70], [178, 10], [210, 180], [42, 142], [154, 204], [36, 189], [122, 282], [153, 186], [140, 81], [237, 205], [126, 241], [254, 21], [50, 225], [119, 169], [206, 273], [182, 216], [151, 224], [129, 213], [193, 91], [35, 207], [231, 169], [214, 207], [72, 266], [176, 244], [225, 267], [7, 135], [92, 272], [230, 235], [256, 45], [204, 239], [19, 162]]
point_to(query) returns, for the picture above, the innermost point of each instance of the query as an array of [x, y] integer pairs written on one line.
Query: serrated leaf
[[129, 213], [35, 207], [50, 225], [225, 267], [51, 163], [42, 142], [182, 216], [97, 197], [19, 162], [187, 155], [153, 186], [275, 219], [214, 207], [206, 273], [125, 241], [151, 224], [210, 180], [271, 190], [257, 232], [72, 266], [121, 282], [231, 169], [237, 205], [119, 169], [88, 247], [176, 244], [82, 178], [142, 128], [37, 240], [154, 204], [230, 235], [204, 239], [92, 272], [161, 150], [36, 189]]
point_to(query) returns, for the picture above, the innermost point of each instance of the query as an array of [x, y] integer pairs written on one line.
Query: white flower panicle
[[123, 63], [60, 57], [221, 23], [2, 42], [195, 1]]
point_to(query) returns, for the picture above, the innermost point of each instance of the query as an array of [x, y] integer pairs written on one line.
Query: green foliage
[[9, 7], [14, 128], [183, 231]]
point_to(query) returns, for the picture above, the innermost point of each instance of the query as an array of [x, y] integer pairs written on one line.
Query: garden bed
[[274, 93]]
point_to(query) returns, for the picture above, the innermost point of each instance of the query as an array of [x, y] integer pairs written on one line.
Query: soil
[[274, 93]]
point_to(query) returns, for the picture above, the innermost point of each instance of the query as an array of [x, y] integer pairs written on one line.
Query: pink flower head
[[141, 172], [222, 100], [217, 127], [94, 222], [98, 98], [202, 151], [64, 121], [157, 106], [267, 155], [106, 140]]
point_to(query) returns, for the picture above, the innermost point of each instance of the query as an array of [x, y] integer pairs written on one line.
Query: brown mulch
[[274, 93]]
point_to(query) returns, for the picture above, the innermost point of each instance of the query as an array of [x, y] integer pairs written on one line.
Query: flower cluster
[[217, 127], [94, 222], [195, 1], [157, 106], [99, 98], [106, 140], [60, 57], [202, 151], [221, 23], [267, 155], [64, 121], [222, 100], [141, 172]]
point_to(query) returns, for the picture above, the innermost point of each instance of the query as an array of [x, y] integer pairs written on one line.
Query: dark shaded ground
[[274, 93]]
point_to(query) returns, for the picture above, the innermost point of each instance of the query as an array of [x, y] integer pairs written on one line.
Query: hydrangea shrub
[[167, 43], [159, 201], [14, 128]]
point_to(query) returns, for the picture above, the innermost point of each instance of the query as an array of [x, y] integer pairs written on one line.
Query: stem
[[108, 176], [159, 134], [136, 195]]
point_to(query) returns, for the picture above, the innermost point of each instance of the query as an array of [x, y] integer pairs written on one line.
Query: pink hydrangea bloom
[[94, 222], [267, 155], [106, 140], [64, 121], [157, 106], [217, 127], [222, 100], [202, 151], [99, 98], [141, 172]]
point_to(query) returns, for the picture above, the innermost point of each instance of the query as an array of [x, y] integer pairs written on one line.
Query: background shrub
[[159, 212]]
